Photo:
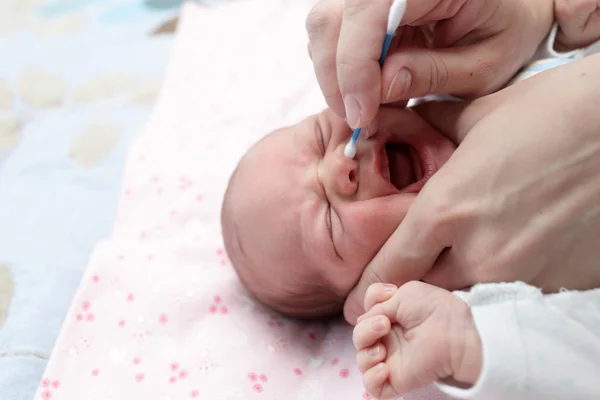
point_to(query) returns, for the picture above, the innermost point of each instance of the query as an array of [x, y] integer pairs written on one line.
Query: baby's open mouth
[[406, 167]]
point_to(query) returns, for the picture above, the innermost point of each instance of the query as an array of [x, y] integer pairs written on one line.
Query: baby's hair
[[305, 299]]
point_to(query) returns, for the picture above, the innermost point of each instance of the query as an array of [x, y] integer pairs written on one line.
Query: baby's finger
[[370, 357], [369, 331], [375, 380], [378, 293]]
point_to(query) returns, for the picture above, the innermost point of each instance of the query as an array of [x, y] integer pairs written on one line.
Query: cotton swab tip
[[395, 16], [350, 149]]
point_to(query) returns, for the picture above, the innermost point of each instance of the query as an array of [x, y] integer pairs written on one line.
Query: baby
[[300, 220]]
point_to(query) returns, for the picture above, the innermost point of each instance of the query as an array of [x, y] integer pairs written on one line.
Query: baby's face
[[301, 202]]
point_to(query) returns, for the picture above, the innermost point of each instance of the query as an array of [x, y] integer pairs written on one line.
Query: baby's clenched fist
[[413, 336]]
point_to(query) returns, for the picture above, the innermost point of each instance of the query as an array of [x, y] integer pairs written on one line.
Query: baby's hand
[[579, 22], [414, 336]]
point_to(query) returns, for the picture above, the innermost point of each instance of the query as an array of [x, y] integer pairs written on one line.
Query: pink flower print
[[163, 318], [85, 305], [47, 383], [137, 360], [206, 365], [79, 317], [344, 373], [335, 361], [139, 377], [155, 179], [199, 197], [276, 344], [367, 396], [89, 317], [95, 279], [95, 372], [130, 297], [172, 379], [159, 190], [184, 183], [298, 371], [258, 388], [120, 257], [217, 306], [222, 256], [174, 367], [183, 374], [121, 323], [194, 394], [274, 320]]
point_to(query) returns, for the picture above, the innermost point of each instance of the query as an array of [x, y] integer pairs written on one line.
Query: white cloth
[[535, 346]]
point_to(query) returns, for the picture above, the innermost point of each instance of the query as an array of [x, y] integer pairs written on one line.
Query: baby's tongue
[[402, 172]]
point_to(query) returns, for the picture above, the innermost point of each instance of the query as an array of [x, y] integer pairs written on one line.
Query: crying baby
[[301, 221]]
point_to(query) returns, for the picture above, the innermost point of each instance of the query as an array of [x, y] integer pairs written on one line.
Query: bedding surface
[[160, 313], [78, 79]]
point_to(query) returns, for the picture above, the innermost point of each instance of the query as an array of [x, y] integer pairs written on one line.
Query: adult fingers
[[410, 252], [471, 70], [579, 22], [359, 47], [323, 27]]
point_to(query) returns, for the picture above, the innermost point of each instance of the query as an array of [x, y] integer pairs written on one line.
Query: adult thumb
[[465, 71]]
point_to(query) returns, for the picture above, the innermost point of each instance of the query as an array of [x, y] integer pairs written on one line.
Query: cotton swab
[[395, 16]]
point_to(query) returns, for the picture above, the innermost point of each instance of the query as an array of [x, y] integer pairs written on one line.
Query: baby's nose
[[342, 175]]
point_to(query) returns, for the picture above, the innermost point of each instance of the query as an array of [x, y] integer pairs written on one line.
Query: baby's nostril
[[351, 176]]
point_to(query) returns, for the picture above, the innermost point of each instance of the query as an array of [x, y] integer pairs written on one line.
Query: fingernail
[[371, 129], [400, 85], [389, 288], [353, 110], [379, 325], [374, 351]]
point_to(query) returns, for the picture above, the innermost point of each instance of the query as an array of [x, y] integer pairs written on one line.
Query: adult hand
[[579, 22], [457, 47], [518, 200]]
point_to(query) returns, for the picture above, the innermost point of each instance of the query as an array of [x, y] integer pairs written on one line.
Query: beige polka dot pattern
[[94, 143], [10, 132], [7, 290], [6, 97], [105, 86], [42, 89]]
